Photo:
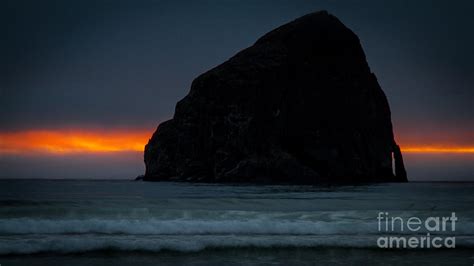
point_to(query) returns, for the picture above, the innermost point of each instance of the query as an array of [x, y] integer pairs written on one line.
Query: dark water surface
[[81, 222]]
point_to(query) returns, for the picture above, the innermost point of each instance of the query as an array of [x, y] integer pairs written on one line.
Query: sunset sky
[[84, 84]]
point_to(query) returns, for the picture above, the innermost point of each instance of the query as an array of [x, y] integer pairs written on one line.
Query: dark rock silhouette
[[299, 106]]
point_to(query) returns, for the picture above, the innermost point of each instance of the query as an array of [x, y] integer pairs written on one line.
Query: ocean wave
[[88, 243], [181, 226], [35, 235], [80, 244], [269, 225]]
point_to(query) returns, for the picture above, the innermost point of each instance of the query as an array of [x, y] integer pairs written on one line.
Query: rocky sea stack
[[299, 106]]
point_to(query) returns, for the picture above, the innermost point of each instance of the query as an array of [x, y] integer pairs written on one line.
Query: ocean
[[103, 222]]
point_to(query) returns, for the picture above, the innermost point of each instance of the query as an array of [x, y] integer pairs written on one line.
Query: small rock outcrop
[[299, 106]]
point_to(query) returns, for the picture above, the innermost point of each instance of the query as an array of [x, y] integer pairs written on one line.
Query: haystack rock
[[300, 106]]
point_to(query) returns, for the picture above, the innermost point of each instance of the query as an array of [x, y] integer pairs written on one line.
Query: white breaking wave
[[269, 226], [28, 235], [182, 227]]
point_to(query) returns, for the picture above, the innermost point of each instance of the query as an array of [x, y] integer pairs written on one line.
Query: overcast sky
[[107, 64]]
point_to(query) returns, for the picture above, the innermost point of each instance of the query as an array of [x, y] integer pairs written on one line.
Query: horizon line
[[63, 142]]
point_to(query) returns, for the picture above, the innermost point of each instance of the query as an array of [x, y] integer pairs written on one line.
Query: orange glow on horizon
[[65, 141], [72, 141], [437, 149]]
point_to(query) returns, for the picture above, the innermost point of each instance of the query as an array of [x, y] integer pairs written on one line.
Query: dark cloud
[[126, 63]]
